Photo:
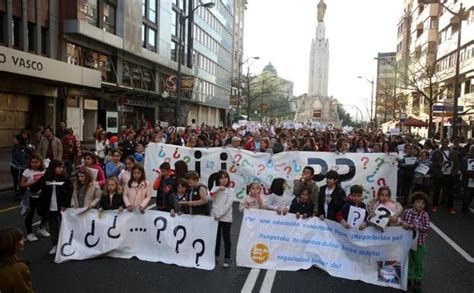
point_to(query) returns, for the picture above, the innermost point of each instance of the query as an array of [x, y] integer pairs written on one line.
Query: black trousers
[[445, 183], [224, 229], [54, 220], [467, 199], [16, 176], [34, 203]]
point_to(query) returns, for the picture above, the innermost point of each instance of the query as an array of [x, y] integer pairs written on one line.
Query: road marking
[[472, 210], [9, 209], [150, 207], [268, 281], [453, 244], [251, 280]]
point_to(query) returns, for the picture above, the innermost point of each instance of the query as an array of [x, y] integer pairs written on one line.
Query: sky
[[281, 31]]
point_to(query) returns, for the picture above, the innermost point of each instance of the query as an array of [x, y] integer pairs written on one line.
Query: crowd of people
[[110, 176]]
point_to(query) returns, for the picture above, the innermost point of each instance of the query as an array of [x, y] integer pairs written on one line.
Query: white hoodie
[[222, 203], [274, 202]]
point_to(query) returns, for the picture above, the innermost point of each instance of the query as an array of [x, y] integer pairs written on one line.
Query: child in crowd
[[279, 200], [90, 161], [56, 193], [164, 186], [86, 190], [137, 193], [114, 167], [180, 194], [384, 198], [222, 196], [125, 175], [416, 218], [331, 197], [15, 274], [140, 154], [30, 200], [253, 200], [302, 205], [196, 201], [307, 181], [355, 199], [112, 198]]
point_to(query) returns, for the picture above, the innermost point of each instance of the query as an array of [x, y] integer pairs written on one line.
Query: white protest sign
[[184, 240], [470, 165], [245, 167], [410, 160], [422, 169], [381, 217], [356, 216], [470, 183], [275, 242], [395, 131], [447, 167]]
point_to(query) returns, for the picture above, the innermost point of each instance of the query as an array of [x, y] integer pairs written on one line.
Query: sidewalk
[[6, 181]]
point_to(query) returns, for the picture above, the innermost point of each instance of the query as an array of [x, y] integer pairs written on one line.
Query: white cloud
[[280, 31]]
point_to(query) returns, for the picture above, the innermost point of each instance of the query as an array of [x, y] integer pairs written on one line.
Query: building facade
[[385, 91], [128, 51]]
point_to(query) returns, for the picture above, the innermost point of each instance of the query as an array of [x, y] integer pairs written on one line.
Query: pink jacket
[[137, 195]]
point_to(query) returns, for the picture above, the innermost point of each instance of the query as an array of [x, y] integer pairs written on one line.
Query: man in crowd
[[51, 147]]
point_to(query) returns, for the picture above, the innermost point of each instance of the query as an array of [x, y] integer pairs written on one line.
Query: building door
[[74, 121], [90, 124]]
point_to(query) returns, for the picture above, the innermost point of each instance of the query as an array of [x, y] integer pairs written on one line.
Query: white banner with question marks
[[187, 241], [284, 243], [369, 170]]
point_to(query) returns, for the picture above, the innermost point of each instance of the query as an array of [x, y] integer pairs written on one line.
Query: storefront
[[30, 88]]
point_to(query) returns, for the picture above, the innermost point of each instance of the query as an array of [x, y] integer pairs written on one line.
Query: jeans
[[54, 220], [416, 268], [467, 199], [223, 228], [34, 203]]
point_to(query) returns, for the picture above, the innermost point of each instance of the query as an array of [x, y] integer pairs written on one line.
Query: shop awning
[[413, 122]]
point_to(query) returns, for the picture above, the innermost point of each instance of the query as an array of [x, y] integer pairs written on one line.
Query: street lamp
[[182, 22], [459, 17], [371, 98], [240, 81]]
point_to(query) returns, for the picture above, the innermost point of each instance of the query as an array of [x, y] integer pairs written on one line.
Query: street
[[446, 268]]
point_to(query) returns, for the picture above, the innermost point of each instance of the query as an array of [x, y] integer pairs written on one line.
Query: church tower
[[319, 58]]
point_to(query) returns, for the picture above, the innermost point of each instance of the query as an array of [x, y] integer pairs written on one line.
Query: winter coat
[[56, 146], [63, 193], [15, 277], [274, 202], [138, 195], [106, 203], [222, 203], [91, 197], [298, 185], [302, 208], [338, 197]]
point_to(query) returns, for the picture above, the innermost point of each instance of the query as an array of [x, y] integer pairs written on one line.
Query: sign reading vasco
[[23, 63]]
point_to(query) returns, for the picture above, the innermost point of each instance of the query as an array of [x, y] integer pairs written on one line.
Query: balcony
[[430, 35], [430, 11]]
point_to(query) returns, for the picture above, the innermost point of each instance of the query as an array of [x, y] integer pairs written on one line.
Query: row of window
[[215, 24], [100, 13], [86, 57], [206, 89], [30, 38], [450, 60]]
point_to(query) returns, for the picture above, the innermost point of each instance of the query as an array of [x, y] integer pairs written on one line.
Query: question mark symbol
[[287, 170], [383, 216], [261, 167], [176, 154], [179, 241], [380, 162], [357, 217], [365, 161], [200, 253], [240, 194], [237, 158], [163, 227], [69, 243], [381, 182]]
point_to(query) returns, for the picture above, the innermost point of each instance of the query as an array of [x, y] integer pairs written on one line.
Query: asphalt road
[[446, 269]]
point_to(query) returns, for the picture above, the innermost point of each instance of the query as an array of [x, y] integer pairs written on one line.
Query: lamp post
[[459, 17], [182, 22], [240, 82], [371, 118]]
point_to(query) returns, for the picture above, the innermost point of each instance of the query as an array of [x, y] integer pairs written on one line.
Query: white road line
[[472, 210], [453, 244], [268, 281], [251, 280], [150, 207]]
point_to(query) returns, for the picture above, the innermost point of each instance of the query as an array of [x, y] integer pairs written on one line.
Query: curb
[[5, 188]]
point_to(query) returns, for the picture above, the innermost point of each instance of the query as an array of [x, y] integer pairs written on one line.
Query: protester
[[196, 201], [30, 201], [278, 200], [180, 194], [253, 200], [56, 192], [86, 192], [417, 219], [302, 205], [126, 174], [112, 198], [90, 162], [51, 147], [222, 196], [15, 274], [114, 167], [164, 186], [306, 181], [384, 195], [19, 162], [353, 200], [331, 197], [137, 193]]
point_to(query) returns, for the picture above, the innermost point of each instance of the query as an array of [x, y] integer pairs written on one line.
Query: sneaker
[[53, 250], [226, 263], [42, 232], [452, 211], [31, 237], [434, 209]]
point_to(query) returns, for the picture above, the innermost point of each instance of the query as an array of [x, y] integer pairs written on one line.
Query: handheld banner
[[187, 241], [369, 170], [274, 242]]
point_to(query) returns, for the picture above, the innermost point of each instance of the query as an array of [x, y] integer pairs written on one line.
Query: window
[[2, 28], [151, 39], [174, 53], [89, 10], [44, 41], [143, 36], [174, 21], [109, 17], [16, 32], [149, 25], [152, 11], [85, 57], [31, 36]]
